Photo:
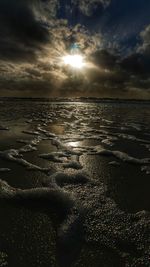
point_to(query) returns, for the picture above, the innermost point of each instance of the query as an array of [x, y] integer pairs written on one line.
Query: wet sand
[[74, 187]]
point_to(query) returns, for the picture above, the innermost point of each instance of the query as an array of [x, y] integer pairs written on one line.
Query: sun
[[75, 61]]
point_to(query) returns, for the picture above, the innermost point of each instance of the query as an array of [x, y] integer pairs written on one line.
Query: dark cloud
[[17, 18], [104, 59], [21, 31], [138, 62]]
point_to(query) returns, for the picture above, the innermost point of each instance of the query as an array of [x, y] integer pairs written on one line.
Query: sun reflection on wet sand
[[56, 128], [74, 144]]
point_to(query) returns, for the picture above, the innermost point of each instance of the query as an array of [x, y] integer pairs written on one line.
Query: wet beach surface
[[75, 181]]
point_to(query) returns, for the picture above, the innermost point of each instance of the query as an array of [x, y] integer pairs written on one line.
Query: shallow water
[[99, 153]]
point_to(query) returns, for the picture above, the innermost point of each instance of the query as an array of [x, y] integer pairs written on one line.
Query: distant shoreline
[[76, 99]]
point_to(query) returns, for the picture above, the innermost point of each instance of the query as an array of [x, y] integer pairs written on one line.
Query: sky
[[113, 37]]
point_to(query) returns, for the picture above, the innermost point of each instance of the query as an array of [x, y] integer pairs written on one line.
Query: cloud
[[87, 7], [30, 57], [46, 9], [138, 62], [145, 36], [30, 29], [104, 59], [21, 31], [33, 40]]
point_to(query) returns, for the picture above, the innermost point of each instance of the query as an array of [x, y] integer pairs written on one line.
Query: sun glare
[[75, 61]]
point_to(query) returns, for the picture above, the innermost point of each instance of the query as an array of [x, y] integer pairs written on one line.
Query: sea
[[74, 182]]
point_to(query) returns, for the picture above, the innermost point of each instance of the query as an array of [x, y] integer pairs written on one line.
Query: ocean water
[[74, 183]]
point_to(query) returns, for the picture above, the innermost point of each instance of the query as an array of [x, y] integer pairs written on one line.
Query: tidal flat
[[74, 183]]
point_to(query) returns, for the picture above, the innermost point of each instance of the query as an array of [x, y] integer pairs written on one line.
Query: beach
[[74, 188]]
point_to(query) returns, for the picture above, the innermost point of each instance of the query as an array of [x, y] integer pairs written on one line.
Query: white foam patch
[[14, 156], [122, 156], [3, 259], [146, 169], [147, 146], [107, 121], [132, 137], [31, 132], [27, 148], [135, 126], [60, 178], [73, 164], [45, 132], [6, 191], [108, 142], [33, 142], [66, 149], [51, 157], [55, 197]]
